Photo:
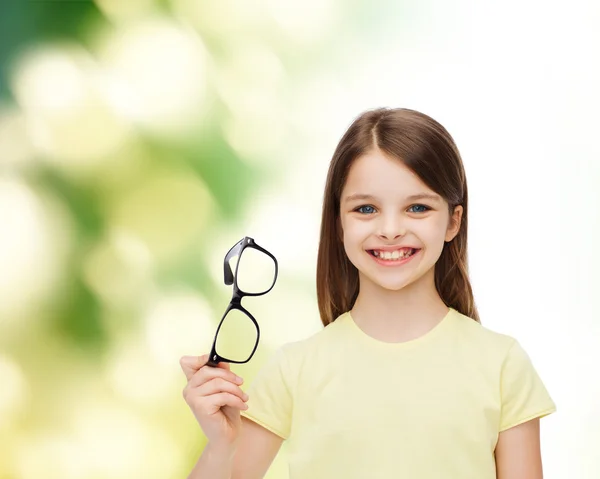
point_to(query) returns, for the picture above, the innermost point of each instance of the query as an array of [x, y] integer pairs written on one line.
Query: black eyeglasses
[[255, 274]]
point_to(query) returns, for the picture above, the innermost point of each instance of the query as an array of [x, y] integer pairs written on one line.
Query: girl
[[403, 381]]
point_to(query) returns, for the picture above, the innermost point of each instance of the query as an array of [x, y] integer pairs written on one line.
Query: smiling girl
[[403, 381]]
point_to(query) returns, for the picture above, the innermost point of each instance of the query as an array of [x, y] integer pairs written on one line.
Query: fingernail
[[239, 380], [245, 397]]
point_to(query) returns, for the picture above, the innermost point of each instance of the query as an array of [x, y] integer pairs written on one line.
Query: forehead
[[376, 174]]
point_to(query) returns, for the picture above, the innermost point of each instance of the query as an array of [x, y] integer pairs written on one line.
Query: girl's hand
[[214, 396]]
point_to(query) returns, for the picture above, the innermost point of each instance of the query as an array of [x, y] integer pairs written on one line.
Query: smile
[[396, 255], [399, 256]]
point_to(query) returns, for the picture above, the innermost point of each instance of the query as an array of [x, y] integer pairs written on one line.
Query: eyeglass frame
[[230, 278]]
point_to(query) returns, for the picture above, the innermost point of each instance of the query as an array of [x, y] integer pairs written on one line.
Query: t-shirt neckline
[[428, 336]]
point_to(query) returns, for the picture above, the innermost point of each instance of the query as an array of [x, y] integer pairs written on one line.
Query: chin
[[388, 284], [393, 282], [393, 286]]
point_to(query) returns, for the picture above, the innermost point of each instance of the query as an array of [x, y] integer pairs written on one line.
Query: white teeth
[[393, 255]]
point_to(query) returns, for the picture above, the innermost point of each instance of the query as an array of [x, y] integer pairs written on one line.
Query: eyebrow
[[418, 196]]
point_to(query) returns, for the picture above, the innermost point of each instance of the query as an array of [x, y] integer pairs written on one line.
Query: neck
[[397, 316]]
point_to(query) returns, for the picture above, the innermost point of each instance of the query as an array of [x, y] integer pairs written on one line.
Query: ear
[[454, 223]]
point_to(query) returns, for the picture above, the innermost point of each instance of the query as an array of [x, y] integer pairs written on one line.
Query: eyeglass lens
[[237, 336], [256, 271]]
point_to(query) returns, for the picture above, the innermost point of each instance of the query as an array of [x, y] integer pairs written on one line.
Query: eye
[[422, 208], [365, 209]]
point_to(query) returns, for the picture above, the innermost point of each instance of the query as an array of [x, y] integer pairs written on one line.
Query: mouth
[[397, 255]]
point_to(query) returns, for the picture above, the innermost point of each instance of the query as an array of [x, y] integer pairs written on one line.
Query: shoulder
[[486, 341], [521, 392], [498, 356]]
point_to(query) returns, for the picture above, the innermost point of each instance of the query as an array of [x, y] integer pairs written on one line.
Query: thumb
[[191, 364]]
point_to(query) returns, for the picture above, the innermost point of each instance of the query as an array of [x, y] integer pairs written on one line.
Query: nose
[[391, 227]]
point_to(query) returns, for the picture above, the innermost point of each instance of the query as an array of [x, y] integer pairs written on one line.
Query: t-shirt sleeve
[[270, 395], [524, 396]]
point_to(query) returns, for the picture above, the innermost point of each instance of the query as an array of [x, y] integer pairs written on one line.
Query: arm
[[249, 459], [518, 454], [258, 447], [237, 447]]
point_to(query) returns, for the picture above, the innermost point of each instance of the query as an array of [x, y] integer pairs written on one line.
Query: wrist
[[225, 451]]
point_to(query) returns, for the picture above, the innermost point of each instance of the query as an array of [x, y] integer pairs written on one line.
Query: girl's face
[[393, 225]]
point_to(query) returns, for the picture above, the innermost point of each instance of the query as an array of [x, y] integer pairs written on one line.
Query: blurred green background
[[140, 139]]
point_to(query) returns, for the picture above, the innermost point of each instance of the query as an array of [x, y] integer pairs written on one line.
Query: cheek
[[353, 231], [432, 234], [435, 237]]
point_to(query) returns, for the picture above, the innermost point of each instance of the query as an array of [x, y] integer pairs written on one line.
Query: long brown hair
[[424, 146]]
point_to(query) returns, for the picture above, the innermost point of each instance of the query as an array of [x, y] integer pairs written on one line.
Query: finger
[[218, 385], [206, 374], [191, 364], [215, 402], [224, 366]]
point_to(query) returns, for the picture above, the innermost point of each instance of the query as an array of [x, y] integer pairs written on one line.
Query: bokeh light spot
[[119, 269], [166, 212], [161, 68], [34, 241], [179, 324], [70, 119], [136, 373], [117, 443]]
